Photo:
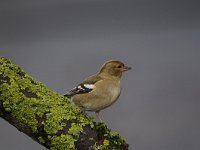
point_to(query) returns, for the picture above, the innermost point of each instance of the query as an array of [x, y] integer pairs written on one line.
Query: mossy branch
[[47, 117]]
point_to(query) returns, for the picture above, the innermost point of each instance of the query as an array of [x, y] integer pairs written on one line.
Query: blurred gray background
[[61, 42]]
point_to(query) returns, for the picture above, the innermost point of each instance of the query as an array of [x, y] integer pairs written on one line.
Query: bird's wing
[[87, 86]]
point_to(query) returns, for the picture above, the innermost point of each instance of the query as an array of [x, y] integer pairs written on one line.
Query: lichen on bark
[[47, 117]]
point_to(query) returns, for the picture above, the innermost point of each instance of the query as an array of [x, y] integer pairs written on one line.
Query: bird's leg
[[84, 113], [97, 114]]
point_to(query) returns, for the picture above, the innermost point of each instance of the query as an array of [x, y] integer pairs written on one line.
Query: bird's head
[[114, 68]]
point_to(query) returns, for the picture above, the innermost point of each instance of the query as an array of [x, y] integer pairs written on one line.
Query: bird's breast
[[114, 92]]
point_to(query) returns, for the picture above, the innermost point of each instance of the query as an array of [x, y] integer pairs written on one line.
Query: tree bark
[[47, 117]]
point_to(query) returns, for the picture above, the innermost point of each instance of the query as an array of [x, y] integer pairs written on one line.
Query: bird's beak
[[126, 68]]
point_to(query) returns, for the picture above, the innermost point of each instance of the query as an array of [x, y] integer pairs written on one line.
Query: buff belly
[[97, 102]]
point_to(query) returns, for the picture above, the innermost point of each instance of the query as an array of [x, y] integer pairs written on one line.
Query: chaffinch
[[99, 91]]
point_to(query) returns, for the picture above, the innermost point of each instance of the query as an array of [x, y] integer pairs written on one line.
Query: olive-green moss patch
[[108, 139], [25, 101], [62, 142]]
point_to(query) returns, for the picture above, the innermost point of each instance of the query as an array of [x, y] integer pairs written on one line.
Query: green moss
[[104, 146], [62, 142], [111, 140], [75, 129], [41, 140], [25, 101]]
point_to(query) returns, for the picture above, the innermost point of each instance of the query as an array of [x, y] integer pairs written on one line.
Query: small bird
[[99, 91]]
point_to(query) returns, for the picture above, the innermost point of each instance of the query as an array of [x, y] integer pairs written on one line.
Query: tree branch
[[47, 117]]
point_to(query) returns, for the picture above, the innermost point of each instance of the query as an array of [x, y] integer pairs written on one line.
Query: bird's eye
[[119, 66]]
